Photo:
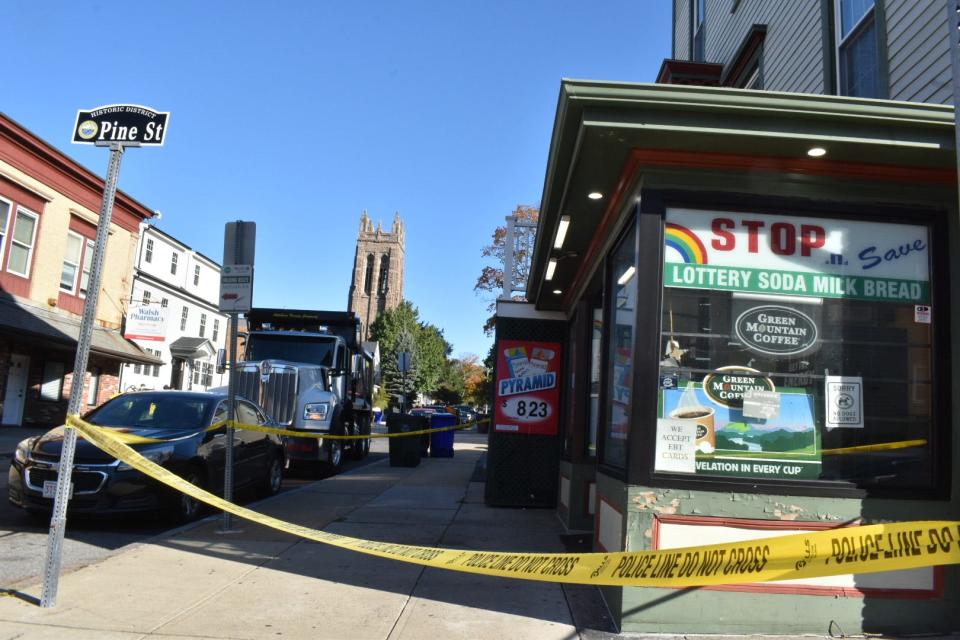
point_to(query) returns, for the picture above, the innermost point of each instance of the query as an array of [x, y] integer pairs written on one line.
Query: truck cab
[[310, 373]]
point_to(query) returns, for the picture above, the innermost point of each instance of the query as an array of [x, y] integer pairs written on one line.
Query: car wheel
[[188, 508], [274, 477]]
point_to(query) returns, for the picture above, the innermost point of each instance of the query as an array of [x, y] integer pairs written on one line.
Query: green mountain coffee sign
[[775, 330], [726, 385]]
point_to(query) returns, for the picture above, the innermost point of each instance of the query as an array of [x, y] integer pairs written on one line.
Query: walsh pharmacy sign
[[123, 123], [815, 257]]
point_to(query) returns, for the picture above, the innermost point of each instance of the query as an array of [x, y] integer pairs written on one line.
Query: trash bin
[[405, 450], [441, 442]]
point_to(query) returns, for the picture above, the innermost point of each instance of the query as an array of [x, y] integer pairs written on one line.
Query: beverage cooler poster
[[527, 396]]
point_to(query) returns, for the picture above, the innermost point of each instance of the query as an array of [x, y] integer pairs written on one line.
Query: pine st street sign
[[128, 124]]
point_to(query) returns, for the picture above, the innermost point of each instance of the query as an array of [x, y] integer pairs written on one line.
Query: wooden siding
[[792, 51], [681, 29], [919, 51]]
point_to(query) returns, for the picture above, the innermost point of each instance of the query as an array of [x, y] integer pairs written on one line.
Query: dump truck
[[310, 372]]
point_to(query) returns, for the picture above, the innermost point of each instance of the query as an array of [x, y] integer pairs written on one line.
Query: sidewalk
[[199, 583]]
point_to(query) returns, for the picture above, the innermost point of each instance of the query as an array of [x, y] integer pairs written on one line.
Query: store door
[[176, 373], [16, 393]]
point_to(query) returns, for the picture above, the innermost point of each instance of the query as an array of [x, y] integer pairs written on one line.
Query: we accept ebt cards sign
[[788, 255]]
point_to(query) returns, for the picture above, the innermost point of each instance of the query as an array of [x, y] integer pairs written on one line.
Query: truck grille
[[275, 391]]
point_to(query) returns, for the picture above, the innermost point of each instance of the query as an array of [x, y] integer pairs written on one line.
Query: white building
[[183, 285]]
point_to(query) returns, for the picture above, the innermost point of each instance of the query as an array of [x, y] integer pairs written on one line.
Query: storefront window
[[796, 349], [596, 342], [622, 311]]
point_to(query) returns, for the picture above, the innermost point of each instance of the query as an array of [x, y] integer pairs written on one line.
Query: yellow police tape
[[123, 433], [864, 549]]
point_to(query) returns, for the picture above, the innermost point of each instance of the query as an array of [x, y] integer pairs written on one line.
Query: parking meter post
[[58, 520]]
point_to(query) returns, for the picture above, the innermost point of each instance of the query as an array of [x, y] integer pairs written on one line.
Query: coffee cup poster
[[729, 443], [527, 391]]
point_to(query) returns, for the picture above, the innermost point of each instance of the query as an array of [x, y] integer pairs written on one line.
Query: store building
[[174, 316], [890, 49], [745, 300], [49, 210]]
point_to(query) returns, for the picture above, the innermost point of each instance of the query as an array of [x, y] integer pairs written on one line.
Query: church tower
[[377, 271]]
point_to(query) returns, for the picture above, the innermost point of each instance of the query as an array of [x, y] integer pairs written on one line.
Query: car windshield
[[153, 411], [296, 348]]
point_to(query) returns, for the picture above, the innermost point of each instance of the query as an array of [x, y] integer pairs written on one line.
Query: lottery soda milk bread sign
[[528, 392], [797, 256]]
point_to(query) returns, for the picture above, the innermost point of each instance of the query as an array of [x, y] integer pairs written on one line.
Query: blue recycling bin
[[441, 442]]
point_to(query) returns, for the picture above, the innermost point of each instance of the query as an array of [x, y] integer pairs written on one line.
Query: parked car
[[103, 485], [422, 411], [465, 413]]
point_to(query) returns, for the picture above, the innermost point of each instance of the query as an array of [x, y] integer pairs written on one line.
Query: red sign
[[527, 396]]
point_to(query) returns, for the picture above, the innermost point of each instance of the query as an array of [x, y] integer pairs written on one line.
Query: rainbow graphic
[[686, 243]]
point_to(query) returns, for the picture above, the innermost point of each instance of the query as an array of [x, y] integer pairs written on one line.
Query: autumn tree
[[491, 277]]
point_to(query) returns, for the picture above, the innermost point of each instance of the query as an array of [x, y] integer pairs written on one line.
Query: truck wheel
[[361, 447], [334, 456], [334, 447]]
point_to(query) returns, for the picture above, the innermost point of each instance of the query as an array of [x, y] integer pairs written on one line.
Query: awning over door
[[191, 348], [21, 318]]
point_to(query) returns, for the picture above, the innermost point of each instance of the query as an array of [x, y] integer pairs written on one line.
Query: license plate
[[50, 489]]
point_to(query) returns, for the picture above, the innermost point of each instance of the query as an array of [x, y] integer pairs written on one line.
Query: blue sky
[[300, 115]]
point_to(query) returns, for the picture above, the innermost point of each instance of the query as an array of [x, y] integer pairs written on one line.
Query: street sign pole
[[58, 521], [236, 293], [231, 416]]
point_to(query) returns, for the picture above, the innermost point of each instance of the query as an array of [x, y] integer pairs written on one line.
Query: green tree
[[398, 330], [431, 357]]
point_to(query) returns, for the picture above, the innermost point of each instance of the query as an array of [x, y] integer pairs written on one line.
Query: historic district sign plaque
[[124, 123]]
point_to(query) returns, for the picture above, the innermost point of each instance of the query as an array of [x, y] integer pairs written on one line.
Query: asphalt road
[[23, 538]]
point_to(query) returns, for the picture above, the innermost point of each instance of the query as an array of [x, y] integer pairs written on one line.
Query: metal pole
[[231, 415], [58, 521], [508, 249]]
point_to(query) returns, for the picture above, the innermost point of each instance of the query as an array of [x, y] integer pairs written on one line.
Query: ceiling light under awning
[[626, 275], [551, 267], [594, 195], [562, 227]]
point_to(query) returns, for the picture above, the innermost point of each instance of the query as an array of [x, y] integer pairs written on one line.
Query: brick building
[[377, 283], [49, 209]]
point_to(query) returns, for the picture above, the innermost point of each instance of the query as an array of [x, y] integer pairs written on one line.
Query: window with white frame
[[148, 252], [87, 265], [858, 56], [216, 329], [183, 318], [4, 219], [196, 274], [164, 303], [146, 297], [21, 245], [156, 368], [173, 262], [203, 324], [72, 256], [93, 389]]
